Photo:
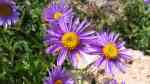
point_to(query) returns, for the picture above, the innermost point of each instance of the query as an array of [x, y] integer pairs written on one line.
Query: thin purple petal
[[61, 57]]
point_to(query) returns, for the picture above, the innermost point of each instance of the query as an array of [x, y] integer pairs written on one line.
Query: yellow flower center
[[110, 51], [57, 15], [70, 40], [58, 82], [5, 10]]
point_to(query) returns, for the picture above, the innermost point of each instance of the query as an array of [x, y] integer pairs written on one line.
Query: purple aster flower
[[68, 40], [147, 1], [59, 76], [112, 52], [8, 13], [56, 12]]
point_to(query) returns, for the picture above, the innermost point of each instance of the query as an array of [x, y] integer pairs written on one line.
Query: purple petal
[[115, 37], [68, 12], [82, 26], [1, 22], [73, 59], [125, 57], [88, 37], [108, 67], [62, 2], [63, 26], [111, 36], [123, 82], [120, 45], [75, 24], [88, 40], [147, 1], [102, 38], [52, 49], [99, 61], [87, 33], [61, 57], [70, 81], [51, 32], [120, 66], [91, 50], [113, 82], [48, 81]]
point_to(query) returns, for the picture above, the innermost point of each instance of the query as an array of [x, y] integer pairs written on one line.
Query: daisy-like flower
[[8, 13], [68, 39], [59, 76], [112, 52], [147, 1], [56, 12]]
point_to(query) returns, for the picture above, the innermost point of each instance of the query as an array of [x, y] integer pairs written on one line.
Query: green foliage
[[135, 29], [22, 56]]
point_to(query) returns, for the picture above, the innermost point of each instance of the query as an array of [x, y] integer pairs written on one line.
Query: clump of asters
[[112, 52], [8, 13], [59, 76], [69, 40], [56, 12]]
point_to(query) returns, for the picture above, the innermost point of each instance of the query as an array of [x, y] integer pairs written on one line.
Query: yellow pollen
[[70, 40], [110, 51], [57, 15], [5, 10], [58, 82]]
